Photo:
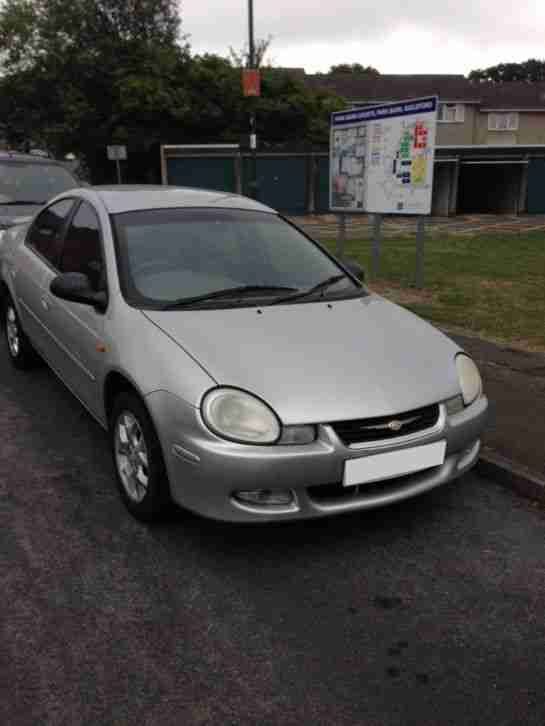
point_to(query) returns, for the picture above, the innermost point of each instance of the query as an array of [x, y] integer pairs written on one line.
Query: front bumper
[[204, 470]]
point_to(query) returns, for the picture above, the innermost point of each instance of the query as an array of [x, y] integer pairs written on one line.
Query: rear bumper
[[205, 471]]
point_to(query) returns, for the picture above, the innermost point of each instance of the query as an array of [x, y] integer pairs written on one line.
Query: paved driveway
[[426, 613]]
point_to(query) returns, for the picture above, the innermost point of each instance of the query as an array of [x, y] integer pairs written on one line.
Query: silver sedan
[[240, 369]]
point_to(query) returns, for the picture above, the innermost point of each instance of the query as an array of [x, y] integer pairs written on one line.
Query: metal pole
[[253, 135], [251, 44], [118, 166], [341, 235], [420, 252], [375, 251]]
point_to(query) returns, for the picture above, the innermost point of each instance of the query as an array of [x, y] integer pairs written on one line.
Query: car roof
[[130, 198]]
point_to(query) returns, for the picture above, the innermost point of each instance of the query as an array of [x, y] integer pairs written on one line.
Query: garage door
[[282, 182], [209, 172]]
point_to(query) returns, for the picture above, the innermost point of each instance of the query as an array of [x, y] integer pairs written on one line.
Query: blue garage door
[[322, 185], [203, 172], [536, 186], [282, 182]]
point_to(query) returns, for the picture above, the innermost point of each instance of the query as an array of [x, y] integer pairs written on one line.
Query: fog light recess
[[266, 497], [469, 455]]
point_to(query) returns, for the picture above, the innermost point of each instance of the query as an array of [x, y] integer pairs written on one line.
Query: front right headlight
[[239, 416], [469, 377]]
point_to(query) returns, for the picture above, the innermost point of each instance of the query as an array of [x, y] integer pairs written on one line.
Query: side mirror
[[355, 268], [76, 287]]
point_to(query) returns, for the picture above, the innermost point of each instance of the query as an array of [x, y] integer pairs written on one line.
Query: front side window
[[44, 235], [168, 255], [82, 249], [31, 183]]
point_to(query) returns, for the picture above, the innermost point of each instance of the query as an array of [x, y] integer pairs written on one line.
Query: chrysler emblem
[[395, 425]]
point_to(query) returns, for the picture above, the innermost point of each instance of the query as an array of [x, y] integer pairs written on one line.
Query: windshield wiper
[[227, 292], [320, 286]]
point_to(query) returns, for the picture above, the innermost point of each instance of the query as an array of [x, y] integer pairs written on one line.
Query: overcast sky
[[394, 36]]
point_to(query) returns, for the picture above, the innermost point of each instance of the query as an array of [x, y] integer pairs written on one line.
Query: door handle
[[45, 304]]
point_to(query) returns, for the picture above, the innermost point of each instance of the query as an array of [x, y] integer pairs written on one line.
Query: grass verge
[[492, 286]]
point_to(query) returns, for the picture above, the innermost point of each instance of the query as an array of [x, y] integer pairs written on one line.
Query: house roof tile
[[359, 88]]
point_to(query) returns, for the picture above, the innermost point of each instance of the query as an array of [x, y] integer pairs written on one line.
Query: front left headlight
[[469, 377], [236, 415]]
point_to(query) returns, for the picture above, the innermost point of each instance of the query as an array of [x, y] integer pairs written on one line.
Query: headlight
[[239, 416], [469, 377]]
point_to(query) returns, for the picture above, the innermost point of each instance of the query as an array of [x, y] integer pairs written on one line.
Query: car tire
[[138, 460], [21, 352]]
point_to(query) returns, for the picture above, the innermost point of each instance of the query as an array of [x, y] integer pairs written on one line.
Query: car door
[[34, 259], [76, 329]]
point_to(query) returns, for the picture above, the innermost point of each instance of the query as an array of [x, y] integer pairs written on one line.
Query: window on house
[[451, 113], [503, 121]]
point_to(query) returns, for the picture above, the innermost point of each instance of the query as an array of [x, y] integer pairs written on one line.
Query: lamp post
[[253, 136], [251, 44]]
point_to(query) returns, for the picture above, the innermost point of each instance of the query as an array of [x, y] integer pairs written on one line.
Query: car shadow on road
[[276, 540]]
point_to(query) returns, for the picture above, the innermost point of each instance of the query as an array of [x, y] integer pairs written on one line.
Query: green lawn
[[489, 285]]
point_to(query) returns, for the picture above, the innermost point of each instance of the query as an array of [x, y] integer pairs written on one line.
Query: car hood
[[320, 362]]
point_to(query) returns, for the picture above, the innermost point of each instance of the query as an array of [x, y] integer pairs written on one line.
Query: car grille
[[381, 428]]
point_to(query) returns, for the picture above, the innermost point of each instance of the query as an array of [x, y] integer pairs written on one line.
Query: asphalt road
[[431, 612]]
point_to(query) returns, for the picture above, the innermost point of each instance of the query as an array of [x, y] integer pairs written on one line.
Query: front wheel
[[140, 470], [20, 350]]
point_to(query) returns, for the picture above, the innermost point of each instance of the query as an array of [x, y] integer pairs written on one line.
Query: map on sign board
[[381, 158]]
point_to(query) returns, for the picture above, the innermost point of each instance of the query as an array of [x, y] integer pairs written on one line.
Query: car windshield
[[32, 183], [172, 258]]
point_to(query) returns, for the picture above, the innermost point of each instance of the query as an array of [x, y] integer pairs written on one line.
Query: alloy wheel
[[131, 456], [12, 331]]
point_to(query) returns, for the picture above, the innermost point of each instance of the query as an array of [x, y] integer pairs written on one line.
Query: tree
[[287, 112], [355, 68], [290, 113], [241, 58], [36, 31], [79, 74], [530, 71]]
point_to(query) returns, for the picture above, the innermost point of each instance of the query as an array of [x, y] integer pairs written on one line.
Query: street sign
[[117, 153], [381, 158], [251, 82]]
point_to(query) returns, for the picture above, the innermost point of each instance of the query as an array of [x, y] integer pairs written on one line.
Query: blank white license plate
[[393, 463]]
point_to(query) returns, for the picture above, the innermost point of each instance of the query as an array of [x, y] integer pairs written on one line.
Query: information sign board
[[117, 153], [381, 158]]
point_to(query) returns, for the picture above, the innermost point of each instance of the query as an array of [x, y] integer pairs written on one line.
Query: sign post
[[381, 162], [117, 153], [419, 277], [341, 235], [251, 85], [375, 251]]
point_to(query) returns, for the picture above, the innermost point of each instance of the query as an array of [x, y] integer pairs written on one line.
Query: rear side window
[[45, 234], [82, 249]]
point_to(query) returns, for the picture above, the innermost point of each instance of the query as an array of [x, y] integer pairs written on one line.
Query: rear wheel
[[21, 352], [140, 470]]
